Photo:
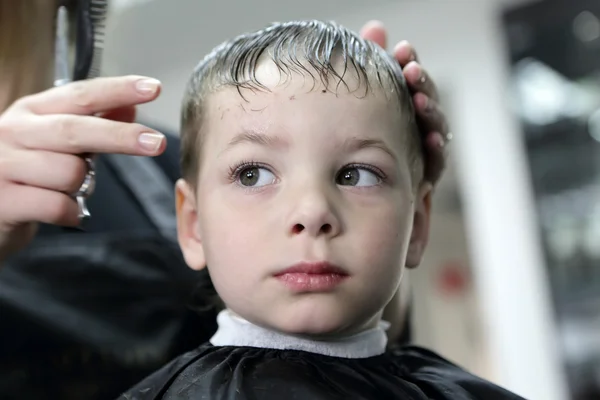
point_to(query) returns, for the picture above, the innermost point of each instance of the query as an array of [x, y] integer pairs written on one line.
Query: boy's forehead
[[300, 108], [295, 101], [300, 101]]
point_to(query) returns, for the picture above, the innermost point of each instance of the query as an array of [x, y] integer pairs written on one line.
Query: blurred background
[[510, 287]]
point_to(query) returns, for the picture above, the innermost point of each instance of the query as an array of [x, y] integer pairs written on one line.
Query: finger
[[436, 156], [405, 53], [92, 96], [46, 170], [38, 205], [419, 81], [434, 127], [124, 114], [85, 134], [431, 118], [375, 32]]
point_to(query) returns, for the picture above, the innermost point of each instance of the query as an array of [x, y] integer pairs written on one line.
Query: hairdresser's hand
[[434, 126], [42, 137]]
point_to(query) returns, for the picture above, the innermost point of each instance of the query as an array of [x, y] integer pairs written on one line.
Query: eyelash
[[378, 172], [236, 170]]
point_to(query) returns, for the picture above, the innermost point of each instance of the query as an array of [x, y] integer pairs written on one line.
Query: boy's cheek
[[387, 236], [233, 234]]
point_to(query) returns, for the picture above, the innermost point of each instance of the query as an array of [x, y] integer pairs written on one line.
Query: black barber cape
[[86, 315], [251, 373]]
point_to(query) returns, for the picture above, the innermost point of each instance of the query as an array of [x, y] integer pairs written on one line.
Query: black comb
[[91, 28]]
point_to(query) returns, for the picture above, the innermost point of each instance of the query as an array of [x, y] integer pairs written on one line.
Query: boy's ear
[[420, 230], [188, 228]]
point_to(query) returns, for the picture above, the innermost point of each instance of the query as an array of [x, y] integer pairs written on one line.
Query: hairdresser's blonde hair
[[26, 47]]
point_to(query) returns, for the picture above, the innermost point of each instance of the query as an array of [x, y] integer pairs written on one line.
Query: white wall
[[461, 44], [166, 38]]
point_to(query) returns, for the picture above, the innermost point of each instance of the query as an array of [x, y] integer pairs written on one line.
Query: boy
[[303, 192]]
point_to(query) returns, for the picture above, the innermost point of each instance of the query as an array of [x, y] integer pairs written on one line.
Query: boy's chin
[[320, 324]]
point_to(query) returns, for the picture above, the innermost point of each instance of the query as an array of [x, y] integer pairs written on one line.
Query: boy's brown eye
[[256, 176]]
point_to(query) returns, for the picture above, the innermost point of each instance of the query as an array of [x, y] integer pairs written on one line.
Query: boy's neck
[[236, 331]]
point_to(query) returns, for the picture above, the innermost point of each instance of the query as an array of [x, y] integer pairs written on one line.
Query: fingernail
[[401, 44], [151, 141], [147, 86]]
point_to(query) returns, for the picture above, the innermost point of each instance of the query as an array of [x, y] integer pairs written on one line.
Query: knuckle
[[23, 102], [83, 96], [9, 126], [6, 163], [64, 127]]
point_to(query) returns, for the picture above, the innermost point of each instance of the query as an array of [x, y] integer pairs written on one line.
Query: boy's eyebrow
[[250, 136], [351, 144], [354, 144]]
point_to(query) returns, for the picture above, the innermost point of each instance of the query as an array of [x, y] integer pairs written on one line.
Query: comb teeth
[[98, 10]]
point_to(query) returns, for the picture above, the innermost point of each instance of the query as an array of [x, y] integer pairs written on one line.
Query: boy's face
[[305, 179]]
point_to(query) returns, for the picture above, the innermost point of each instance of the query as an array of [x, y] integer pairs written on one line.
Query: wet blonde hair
[[26, 47]]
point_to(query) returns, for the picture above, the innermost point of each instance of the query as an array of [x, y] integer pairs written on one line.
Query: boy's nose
[[315, 231], [314, 215]]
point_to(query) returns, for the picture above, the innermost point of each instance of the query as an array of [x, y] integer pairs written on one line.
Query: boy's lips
[[312, 276]]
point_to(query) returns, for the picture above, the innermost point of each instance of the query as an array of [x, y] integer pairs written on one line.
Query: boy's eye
[[256, 177], [355, 176]]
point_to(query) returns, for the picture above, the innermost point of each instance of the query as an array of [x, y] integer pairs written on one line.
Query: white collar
[[236, 331]]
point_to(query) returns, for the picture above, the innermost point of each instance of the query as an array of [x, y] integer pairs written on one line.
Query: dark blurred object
[[87, 314], [554, 50], [556, 45], [558, 33]]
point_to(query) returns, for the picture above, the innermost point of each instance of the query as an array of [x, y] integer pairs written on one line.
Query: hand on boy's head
[[434, 126]]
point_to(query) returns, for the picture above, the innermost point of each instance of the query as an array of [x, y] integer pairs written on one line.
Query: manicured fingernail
[[147, 86], [151, 141]]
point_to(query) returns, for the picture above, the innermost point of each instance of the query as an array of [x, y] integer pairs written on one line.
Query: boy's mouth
[[312, 276]]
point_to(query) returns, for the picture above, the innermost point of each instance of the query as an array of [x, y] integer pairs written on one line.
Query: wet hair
[[313, 49]]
